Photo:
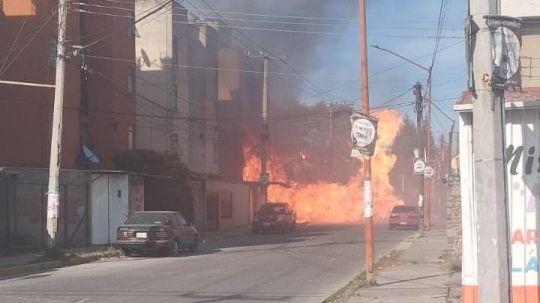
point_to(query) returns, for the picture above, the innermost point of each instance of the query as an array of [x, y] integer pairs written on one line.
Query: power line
[[442, 112], [5, 59], [37, 32]]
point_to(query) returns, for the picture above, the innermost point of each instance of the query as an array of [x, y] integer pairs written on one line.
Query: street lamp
[[428, 135]]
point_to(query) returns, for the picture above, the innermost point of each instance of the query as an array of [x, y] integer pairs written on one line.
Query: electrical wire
[[36, 33]]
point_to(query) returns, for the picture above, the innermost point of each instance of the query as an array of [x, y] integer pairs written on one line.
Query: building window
[[131, 80], [175, 49], [175, 97], [226, 205], [53, 51], [131, 137]]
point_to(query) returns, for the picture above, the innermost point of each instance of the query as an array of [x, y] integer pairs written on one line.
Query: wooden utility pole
[[420, 134], [368, 194], [53, 194], [489, 167]]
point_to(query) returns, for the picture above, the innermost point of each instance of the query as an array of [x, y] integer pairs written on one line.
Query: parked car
[[404, 216], [151, 231], [274, 216]]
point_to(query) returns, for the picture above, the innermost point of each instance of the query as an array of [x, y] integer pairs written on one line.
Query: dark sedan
[[274, 216], [165, 231]]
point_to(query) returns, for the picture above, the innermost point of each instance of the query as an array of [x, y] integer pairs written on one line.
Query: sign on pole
[[428, 172], [363, 134], [506, 48], [419, 166]]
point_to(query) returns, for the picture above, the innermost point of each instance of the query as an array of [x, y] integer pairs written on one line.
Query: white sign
[[363, 132], [53, 201], [368, 197], [428, 172], [419, 166]]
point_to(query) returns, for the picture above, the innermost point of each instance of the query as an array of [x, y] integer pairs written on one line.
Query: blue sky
[[332, 61]]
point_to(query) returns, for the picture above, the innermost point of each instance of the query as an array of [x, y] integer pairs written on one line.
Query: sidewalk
[[27, 263], [416, 272]]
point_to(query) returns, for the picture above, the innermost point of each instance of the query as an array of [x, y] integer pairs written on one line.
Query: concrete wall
[[26, 203], [454, 230], [520, 8], [23, 205]]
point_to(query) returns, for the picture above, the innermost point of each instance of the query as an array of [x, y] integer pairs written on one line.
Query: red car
[[274, 216], [404, 216]]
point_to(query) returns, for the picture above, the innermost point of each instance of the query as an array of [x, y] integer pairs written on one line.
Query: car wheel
[[195, 245], [286, 228], [293, 227], [390, 227], [173, 249]]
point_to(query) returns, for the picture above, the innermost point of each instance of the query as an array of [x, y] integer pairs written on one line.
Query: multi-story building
[[163, 98], [99, 111], [203, 83], [177, 84], [240, 94]]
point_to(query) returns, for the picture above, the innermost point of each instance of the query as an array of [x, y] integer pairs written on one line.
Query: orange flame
[[333, 202]]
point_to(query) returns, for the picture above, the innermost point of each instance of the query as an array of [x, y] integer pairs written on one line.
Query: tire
[[293, 227], [286, 228], [390, 227], [195, 245], [173, 249]]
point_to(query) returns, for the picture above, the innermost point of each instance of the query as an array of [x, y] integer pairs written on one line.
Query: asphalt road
[[305, 266]]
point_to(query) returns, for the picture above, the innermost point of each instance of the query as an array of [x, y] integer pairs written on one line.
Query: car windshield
[[147, 218], [404, 209], [273, 209]]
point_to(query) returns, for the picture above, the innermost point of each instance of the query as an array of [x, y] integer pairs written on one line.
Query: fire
[[335, 202]]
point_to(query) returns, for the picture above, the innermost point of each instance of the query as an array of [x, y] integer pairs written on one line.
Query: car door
[[289, 214], [185, 233], [173, 227]]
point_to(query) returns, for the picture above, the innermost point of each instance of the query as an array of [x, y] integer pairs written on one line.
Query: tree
[[166, 186], [401, 176]]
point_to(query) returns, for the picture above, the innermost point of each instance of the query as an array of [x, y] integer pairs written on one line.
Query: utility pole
[[489, 166], [429, 158], [264, 178], [331, 141], [53, 195], [420, 134], [368, 194]]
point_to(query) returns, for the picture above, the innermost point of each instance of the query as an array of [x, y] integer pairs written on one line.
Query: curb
[[27, 269]]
